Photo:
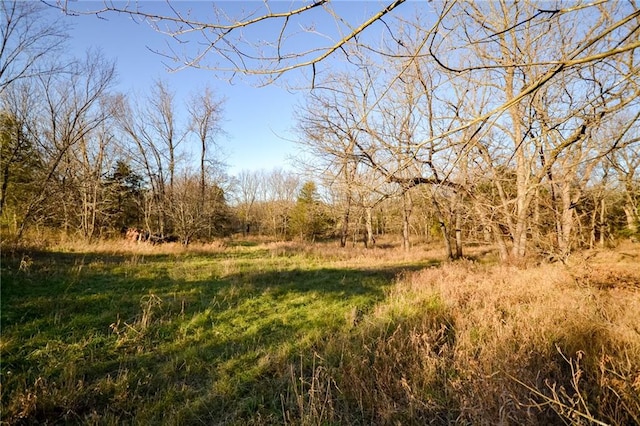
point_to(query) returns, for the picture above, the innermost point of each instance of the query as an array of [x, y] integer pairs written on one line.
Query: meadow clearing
[[260, 333]]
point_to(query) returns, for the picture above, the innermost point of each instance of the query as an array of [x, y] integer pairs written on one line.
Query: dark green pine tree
[[124, 196], [20, 167], [309, 219]]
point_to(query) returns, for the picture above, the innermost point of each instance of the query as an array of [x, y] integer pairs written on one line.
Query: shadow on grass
[[166, 337]]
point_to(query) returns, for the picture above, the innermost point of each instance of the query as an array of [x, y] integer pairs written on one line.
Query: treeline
[[280, 205], [464, 149]]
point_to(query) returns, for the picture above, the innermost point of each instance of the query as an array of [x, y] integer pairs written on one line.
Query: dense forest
[[495, 123]]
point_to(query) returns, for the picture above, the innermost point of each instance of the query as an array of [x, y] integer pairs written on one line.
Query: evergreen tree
[[124, 196], [309, 219], [19, 166]]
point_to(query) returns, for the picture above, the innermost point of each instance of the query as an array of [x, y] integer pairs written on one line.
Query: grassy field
[[283, 333]]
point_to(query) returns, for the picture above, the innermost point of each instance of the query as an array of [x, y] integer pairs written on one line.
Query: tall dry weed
[[472, 344], [133, 335]]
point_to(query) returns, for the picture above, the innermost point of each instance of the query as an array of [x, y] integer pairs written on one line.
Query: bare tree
[[248, 185], [543, 106], [328, 129], [523, 113], [626, 163], [205, 111], [163, 122], [373, 124], [29, 39], [277, 198], [192, 214], [67, 110], [153, 128]]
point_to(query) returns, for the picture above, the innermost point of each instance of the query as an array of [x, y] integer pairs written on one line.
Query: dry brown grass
[[472, 344], [387, 252]]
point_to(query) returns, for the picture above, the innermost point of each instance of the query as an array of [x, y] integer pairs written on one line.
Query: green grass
[[169, 338]]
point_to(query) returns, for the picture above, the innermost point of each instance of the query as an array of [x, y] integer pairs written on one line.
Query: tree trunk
[[344, 229], [499, 239], [369, 239], [566, 219], [523, 168], [443, 229], [203, 156], [631, 214], [603, 225], [594, 224], [406, 216], [5, 183], [458, 235]]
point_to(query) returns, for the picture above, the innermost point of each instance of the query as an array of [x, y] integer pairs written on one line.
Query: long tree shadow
[[139, 335]]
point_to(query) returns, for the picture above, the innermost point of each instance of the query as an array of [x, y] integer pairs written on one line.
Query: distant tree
[[205, 112], [277, 197], [152, 126], [626, 164], [309, 219], [163, 121], [19, 168], [62, 113], [218, 212], [329, 135], [124, 192], [192, 215], [247, 188]]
